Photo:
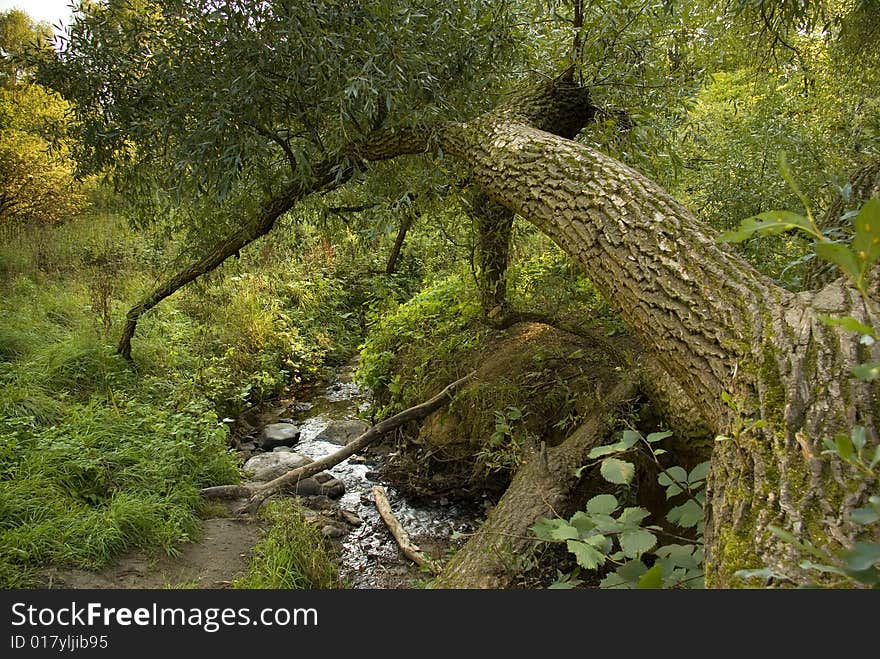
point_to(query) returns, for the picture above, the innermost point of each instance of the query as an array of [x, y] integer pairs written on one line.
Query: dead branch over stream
[[257, 494], [409, 549]]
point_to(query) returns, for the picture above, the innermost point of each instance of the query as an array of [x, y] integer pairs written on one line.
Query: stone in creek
[[349, 517], [267, 466], [278, 434], [341, 432], [282, 449], [331, 531], [322, 484]]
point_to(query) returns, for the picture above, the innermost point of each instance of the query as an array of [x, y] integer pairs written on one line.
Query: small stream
[[369, 556]]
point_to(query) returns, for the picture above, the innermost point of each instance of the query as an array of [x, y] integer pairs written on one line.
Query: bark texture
[[394, 255], [713, 323], [494, 224]]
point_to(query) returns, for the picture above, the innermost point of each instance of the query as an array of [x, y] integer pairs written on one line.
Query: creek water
[[369, 556]]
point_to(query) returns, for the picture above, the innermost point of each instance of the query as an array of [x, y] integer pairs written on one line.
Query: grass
[[95, 458], [292, 554]]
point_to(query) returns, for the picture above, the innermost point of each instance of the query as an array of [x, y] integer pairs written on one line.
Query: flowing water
[[370, 558]]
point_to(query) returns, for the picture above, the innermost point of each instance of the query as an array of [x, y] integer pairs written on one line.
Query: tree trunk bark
[[714, 323], [494, 226], [391, 264]]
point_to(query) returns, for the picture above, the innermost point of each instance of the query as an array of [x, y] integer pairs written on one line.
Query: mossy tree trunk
[[714, 324]]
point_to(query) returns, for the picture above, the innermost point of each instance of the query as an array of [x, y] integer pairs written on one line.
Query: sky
[[51, 11]]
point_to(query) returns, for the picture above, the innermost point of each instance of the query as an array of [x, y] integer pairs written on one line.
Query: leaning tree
[[210, 101]]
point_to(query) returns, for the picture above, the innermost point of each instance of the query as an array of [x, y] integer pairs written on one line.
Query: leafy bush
[[608, 533], [413, 345]]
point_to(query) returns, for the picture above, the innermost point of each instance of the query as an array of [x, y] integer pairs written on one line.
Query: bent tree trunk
[[405, 224], [714, 324]]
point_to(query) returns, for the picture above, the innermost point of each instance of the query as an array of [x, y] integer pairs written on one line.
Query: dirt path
[[215, 561]]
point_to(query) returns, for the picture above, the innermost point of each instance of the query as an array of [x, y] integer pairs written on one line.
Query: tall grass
[[292, 554], [96, 458]]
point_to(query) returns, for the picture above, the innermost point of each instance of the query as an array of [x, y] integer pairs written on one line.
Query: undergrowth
[[97, 458], [292, 554]]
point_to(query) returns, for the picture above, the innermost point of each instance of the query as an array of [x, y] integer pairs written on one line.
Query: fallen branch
[[409, 549], [258, 494]]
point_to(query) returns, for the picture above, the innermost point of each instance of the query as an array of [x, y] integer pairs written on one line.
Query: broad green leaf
[[564, 584], [848, 323], [657, 436], [554, 530], [678, 556], [876, 459], [869, 577], [630, 438], [614, 581], [607, 524], [698, 473], [582, 522], [633, 516], [607, 449], [829, 569], [566, 580], [652, 579], [626, 576], [636, 542], [867, 371], [603, 504], [587, 556], [841, 256], [672, 475], [866, 242], [603, 543], [858, 438], [617, 471], [844, 447], [687, 515], [770, 223], [862, 556]]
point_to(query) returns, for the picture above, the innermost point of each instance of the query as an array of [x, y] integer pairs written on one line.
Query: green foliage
[[96, 459], [314, 75], [37, 186], [292, 555], [502, 451], [854, 261], [607, 533], [428, 329]]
